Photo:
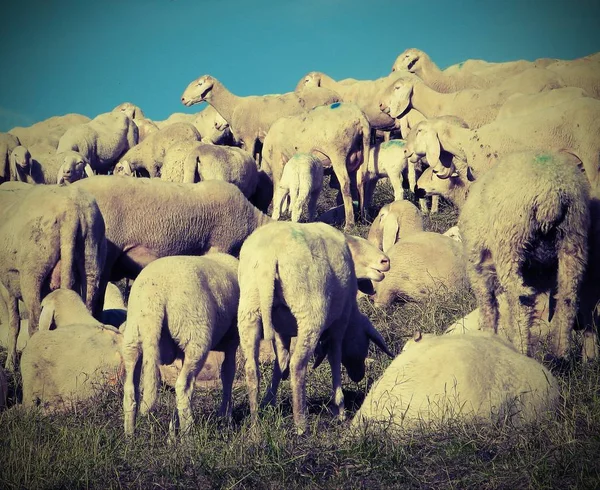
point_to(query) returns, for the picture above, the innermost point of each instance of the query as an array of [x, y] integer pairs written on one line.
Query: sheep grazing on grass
[[147, 157], [441, 379], [299, 187], [395, 220], [51, 237], [300, 280], [525, 230], [102, 140], [180, 306], [422, 265], [148, 218], [71, 358]]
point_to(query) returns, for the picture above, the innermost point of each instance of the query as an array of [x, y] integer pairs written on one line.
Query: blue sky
[[61, 56]]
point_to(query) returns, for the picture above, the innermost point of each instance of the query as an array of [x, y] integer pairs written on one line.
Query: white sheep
[[8, 143], [147, 157], [20, 166], [299, 187], [454, 233], [581, 72], [102, 140], [180, 306], [251, 117], [395, 220], [51, 237], [145, 126], [520, 103], [300, 280], [149, 218], [338, 134], [440, 379], [422, 265], [74, 167], [527, 235], [192, 161], [66, 167], [49, 131]]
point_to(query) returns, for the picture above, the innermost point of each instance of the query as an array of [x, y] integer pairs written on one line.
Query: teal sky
[[61, 56]]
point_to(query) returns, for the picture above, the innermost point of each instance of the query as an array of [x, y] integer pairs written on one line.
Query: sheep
[[186, 305], [571, 126], [520, 104], [148, 218], [475, 106], [20, 165], [51, 237], [213, 127], [582, 73], [423, 265], [27, 168], [102, 140], [8, 143], [299, 187], [250, 118], [438, 379], [395, 220], [148, 156], [49, 131], [145, 126], [526, 236], [74, 167], [192, 161], [455, 188], [300, 279], [454, 233], [64, 307], [338, 134], [418, 62]]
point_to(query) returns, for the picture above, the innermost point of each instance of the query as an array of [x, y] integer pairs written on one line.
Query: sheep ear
[[46, 321], [447, 141], [88, 170], [470, 176], [60, 180], [377, 339], [417, 336], [390, 231], [402, 97], [433, 150]]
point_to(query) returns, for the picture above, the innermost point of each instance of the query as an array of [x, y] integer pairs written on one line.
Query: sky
[[88, 56]]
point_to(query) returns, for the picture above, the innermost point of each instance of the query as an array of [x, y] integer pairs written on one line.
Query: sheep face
[[408, 61], [220, 123], [21, 158], [130, 110], [198, 91], [312, 79], [429, 184], [74, 167], [369, 261], [396, 98], [123, 168]]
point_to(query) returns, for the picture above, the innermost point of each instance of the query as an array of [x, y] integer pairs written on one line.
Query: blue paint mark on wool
[[335, 105]]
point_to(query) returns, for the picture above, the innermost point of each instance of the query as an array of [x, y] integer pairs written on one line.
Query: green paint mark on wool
[[297, 234], [335, 105], [544, 158], [389, 143], [460, 65]]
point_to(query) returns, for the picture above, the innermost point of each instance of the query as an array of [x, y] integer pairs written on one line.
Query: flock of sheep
[[515, 146]]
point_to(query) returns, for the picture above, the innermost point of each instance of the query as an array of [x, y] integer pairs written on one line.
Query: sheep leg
[[32, 297], [396, 181], [482, 276], [334, 356], [131, 357], [14, 324], [298, 204], [312, 204], [283, 347], [227, 376], [195, 357], [281, 193], [249, 328], [341, 173], [435, 204]]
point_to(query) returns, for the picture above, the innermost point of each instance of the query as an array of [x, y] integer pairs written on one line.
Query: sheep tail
[[150, 359], [69, 230], [267, 291]]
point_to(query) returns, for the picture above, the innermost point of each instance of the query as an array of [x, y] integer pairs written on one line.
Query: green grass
[[86, 448]]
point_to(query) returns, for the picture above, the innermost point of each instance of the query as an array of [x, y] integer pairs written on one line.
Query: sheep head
[[130, 110], [312, 79], [20, 162], [369, 262], [73, 167], [409, 60], [123, 168], [198, 91], [396, 99], [220, 123]]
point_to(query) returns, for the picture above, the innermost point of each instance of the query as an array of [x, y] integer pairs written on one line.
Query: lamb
[[527, 236], [250, 118], [49, 131], [571, 126], [192, 161], [51, 237], [338, 134], [8, 143], [148, 156], [299, 187], [301, 280], [184, 305], [213, 127], [20, 166], [423, 265], [414, 391], [475, 106], [102, 140], [74, 167], [148, 218], [395, 220]]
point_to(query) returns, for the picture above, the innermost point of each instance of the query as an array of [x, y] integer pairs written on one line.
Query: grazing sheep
[[250, 118], [299, 187], [337, 134], [148, 218], [422, 265], [8, 143], [180, 306], [51, 237], [476, 376], [525, 236], [455, 188], [148, 156], [192, 161], [386, 159], [101, 141], [571, 126], [395, 220], [300, 280], [47, 132]]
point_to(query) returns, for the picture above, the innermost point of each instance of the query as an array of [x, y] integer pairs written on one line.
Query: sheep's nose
[[385, 264], [384, 108], [183, 99]]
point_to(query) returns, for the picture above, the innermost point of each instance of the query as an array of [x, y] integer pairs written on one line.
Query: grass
[[86, 447]]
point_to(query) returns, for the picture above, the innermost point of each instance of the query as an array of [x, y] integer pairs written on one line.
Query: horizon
[[69, 56]]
